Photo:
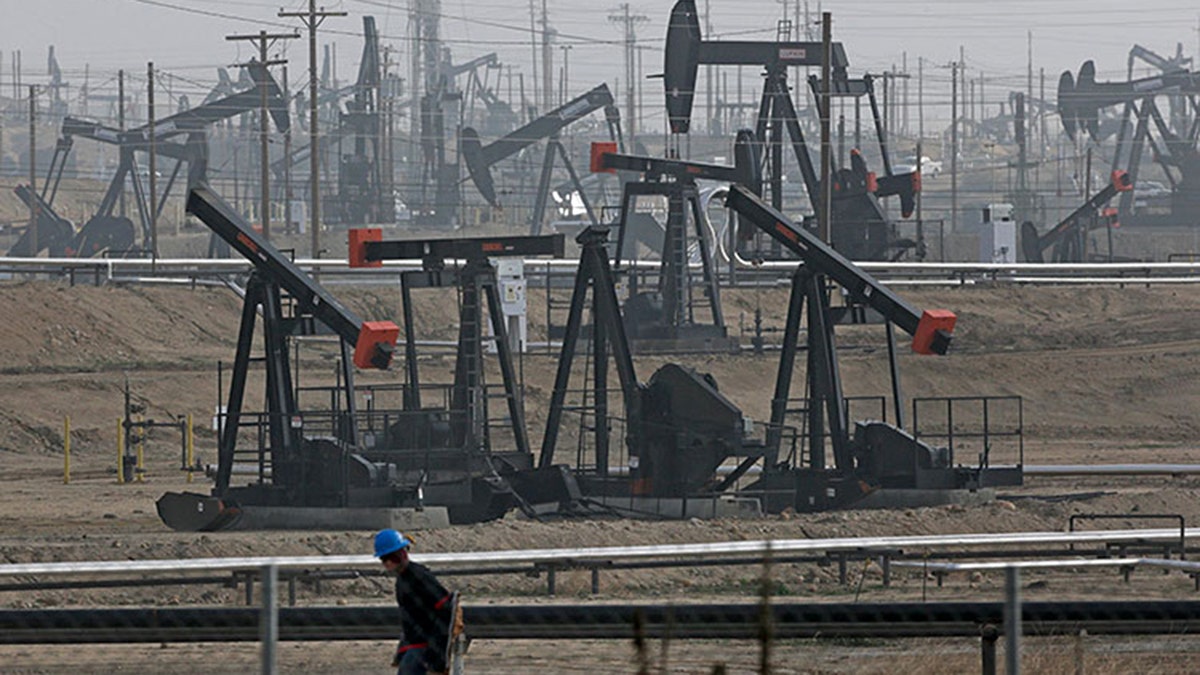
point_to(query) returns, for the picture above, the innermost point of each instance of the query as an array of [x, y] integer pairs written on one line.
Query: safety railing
[[767, 619]]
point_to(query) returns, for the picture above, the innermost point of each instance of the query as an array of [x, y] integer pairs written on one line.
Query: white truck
[[929, 168]]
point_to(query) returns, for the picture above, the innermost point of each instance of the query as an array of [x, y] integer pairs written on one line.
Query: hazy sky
[[187, 37]]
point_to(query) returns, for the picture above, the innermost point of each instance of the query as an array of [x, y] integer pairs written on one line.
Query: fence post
[[1079, 650], [268, 623], [67, 450], [140, 470], [191, 448], [1012, 620], [766, 626], [987, 643], [120, 452]]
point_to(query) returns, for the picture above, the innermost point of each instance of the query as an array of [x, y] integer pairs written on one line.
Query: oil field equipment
[[678, 427], [1067, 239], [107, 230], [679, 430], [297, 474], [364, 191], [874, 454], [859, 226], [998, 235], [1080, 101], [480, 158], [665, 318], [454, 448]]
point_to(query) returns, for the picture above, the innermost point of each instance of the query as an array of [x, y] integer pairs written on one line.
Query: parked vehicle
[[929, 168]]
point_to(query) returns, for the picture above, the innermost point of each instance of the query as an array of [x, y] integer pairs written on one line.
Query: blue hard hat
[[389, 541]]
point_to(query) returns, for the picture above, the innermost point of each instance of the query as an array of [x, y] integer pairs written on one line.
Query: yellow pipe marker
[[141, 456]]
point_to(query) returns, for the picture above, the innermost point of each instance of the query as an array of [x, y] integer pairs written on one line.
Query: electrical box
[[998, 235], [299, 216], [510, 281]]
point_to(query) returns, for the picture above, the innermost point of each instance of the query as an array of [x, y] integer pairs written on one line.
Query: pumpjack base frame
[[813, 490], [672, 508], [194, 512], [685, 344]]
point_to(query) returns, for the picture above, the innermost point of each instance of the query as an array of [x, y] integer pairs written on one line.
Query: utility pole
[[287, 159], [904, 128], [891, 100], [33, 203], [953, 143], [566, 74], [1029, 72], [153, 191], [386, 93], [920, 149], [121, 126], [628, 21], [962, 74], [825, 225], [982, 112], [709, 85], [547, 60], [533, 48], [312, 19], [1041, 124], [264, 40]]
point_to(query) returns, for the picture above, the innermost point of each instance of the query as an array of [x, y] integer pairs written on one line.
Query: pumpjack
[[181, 137], [303, 464], [678, 427], [363, 193], [1066, 240], [666, 316], [480, 158], [1080, 100], [680, 430], [875, 454], [860, 228], [349, 467], [456, 449]]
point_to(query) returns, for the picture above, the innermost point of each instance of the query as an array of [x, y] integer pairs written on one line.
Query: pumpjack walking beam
[[372, 342], [1066, 236], [480, 158], [931, 329]]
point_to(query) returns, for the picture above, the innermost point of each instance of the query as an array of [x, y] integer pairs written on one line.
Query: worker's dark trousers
[[412, 662]]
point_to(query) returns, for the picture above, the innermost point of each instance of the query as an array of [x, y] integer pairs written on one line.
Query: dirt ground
[[1106, 375]]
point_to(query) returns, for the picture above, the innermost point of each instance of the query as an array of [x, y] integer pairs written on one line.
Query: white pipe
[[913, 273], [615, 553]]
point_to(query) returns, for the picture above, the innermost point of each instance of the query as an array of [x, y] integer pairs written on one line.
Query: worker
[[427, 610]]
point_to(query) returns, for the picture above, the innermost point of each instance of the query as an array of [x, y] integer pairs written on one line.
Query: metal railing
[[766, 620], [897, 273]]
